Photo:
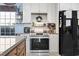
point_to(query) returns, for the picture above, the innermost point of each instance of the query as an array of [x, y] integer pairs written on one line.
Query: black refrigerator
[[68, 34]]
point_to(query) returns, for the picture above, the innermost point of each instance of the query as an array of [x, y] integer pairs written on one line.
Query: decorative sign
[[39, 18], [52, 28]]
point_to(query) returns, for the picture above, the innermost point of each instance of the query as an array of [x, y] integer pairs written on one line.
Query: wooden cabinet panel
[[20, 47], [23, 53], [13, 52]]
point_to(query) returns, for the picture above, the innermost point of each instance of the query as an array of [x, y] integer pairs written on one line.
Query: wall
[[51, 10], [52, 17], [54, 43], [19, 28], [69, 6]]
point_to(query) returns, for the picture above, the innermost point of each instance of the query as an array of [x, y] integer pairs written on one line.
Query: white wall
[[69, 6], [26, 13], [51, 10], [54, 43], [52, 17]]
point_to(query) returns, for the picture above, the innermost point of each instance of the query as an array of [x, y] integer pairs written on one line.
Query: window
[[6, 42], [7, 21], [7, 31], [7, 18], [2, 31], [2, 15]]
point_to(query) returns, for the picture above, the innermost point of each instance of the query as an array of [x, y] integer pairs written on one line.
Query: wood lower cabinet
[[13, 52], [22, 53], [19, 49]]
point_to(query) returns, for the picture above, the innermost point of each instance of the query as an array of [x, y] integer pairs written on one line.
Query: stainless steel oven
[[39, 44]]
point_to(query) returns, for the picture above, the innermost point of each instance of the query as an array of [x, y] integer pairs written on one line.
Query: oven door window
[[39, 44]]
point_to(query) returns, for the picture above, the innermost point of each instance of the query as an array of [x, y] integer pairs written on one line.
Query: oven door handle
[[39, 40]]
